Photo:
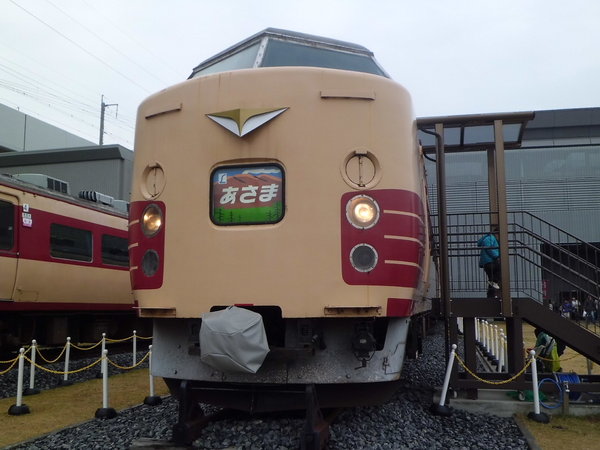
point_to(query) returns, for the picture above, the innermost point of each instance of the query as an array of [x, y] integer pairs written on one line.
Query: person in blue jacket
[[489, 260]]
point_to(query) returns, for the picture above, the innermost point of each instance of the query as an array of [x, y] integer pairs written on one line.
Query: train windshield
[[277, 48]]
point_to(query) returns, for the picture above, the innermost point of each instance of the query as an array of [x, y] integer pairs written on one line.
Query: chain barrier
[[119, 340], [13, 363], [128, 338], [87, 348], [27, 349], [9, 361], [128, 367], [82, 369], [464, 366], [61, 372], [62, 352], [559, 359]]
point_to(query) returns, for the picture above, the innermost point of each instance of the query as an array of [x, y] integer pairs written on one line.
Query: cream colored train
[[279, 233]]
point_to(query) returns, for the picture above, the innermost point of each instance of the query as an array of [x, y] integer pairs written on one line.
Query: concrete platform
[[500, 403]]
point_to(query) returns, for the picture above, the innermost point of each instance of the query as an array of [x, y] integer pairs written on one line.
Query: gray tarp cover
[[233, 340]]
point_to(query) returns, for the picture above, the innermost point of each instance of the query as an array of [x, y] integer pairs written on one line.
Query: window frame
[[10, 226], [211, 202], [61, 253], [106, 259]]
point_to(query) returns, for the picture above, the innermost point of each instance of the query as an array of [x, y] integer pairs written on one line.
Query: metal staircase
[[544, 259], [545, 263]]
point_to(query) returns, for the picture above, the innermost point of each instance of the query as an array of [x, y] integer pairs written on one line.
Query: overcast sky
[[58, 57]]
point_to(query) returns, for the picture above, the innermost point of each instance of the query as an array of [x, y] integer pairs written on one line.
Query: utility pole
[[103, 106]]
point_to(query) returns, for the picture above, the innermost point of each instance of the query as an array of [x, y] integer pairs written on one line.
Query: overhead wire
[[36, 87], [100, 38], [164, 64], [82, 112], [77, 107], [70, 110], [100, 60]]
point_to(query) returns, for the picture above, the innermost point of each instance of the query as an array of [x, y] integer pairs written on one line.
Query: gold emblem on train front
[[242, 121]]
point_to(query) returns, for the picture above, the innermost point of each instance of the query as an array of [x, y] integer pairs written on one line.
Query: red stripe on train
[[139, 244], [398, 238], [33, 242], [399, 307], [57, 306]]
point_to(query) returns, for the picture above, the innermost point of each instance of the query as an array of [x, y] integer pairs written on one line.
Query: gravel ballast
[[404, 422]]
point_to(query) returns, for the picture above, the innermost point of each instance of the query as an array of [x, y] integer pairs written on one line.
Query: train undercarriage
[[361, 375]]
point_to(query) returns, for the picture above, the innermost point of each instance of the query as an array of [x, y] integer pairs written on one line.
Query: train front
[[278, 231]]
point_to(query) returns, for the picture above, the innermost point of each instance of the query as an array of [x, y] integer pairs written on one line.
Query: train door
[[8, 245]]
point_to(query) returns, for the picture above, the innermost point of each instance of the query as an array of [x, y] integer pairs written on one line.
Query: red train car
[[64, 265]]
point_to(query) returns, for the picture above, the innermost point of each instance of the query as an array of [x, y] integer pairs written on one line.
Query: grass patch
[[58, 408], [564, 432]]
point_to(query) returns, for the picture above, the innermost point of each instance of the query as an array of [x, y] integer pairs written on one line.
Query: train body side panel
[[8, 245], [39, 277], [40, 281], [296, 263]]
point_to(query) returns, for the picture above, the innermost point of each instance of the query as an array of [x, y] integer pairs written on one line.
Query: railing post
[[486, 338], [536, 415], [65, 381], [496, 352], [501, 352], [19, 408], [152, 399], [103, 348], [441, 409], [105, 412], [31, 390], [134, 347]]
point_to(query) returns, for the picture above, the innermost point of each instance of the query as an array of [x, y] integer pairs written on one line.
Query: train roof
[[274, 47], [13, 182]]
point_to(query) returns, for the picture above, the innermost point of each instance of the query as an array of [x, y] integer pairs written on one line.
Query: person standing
[[489, 261], [547, 351], [588, 310]]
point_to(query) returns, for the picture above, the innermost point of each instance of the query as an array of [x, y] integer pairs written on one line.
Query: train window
[[243, 59], [114, 251], [280, 53], [70, 243], [247, 195], [7, 223]]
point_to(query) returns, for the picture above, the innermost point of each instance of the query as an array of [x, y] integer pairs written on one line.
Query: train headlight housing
[[362, 211], [363, 257], [150, 263], [152, 220]]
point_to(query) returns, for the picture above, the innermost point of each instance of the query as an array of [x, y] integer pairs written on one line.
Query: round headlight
[[150, 263], [362, 211], [363, 257], [151, 220]]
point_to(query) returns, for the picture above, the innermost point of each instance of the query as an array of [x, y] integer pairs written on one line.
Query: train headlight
[[150, 263], [151, 220], [362, 211], [363, 257]]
